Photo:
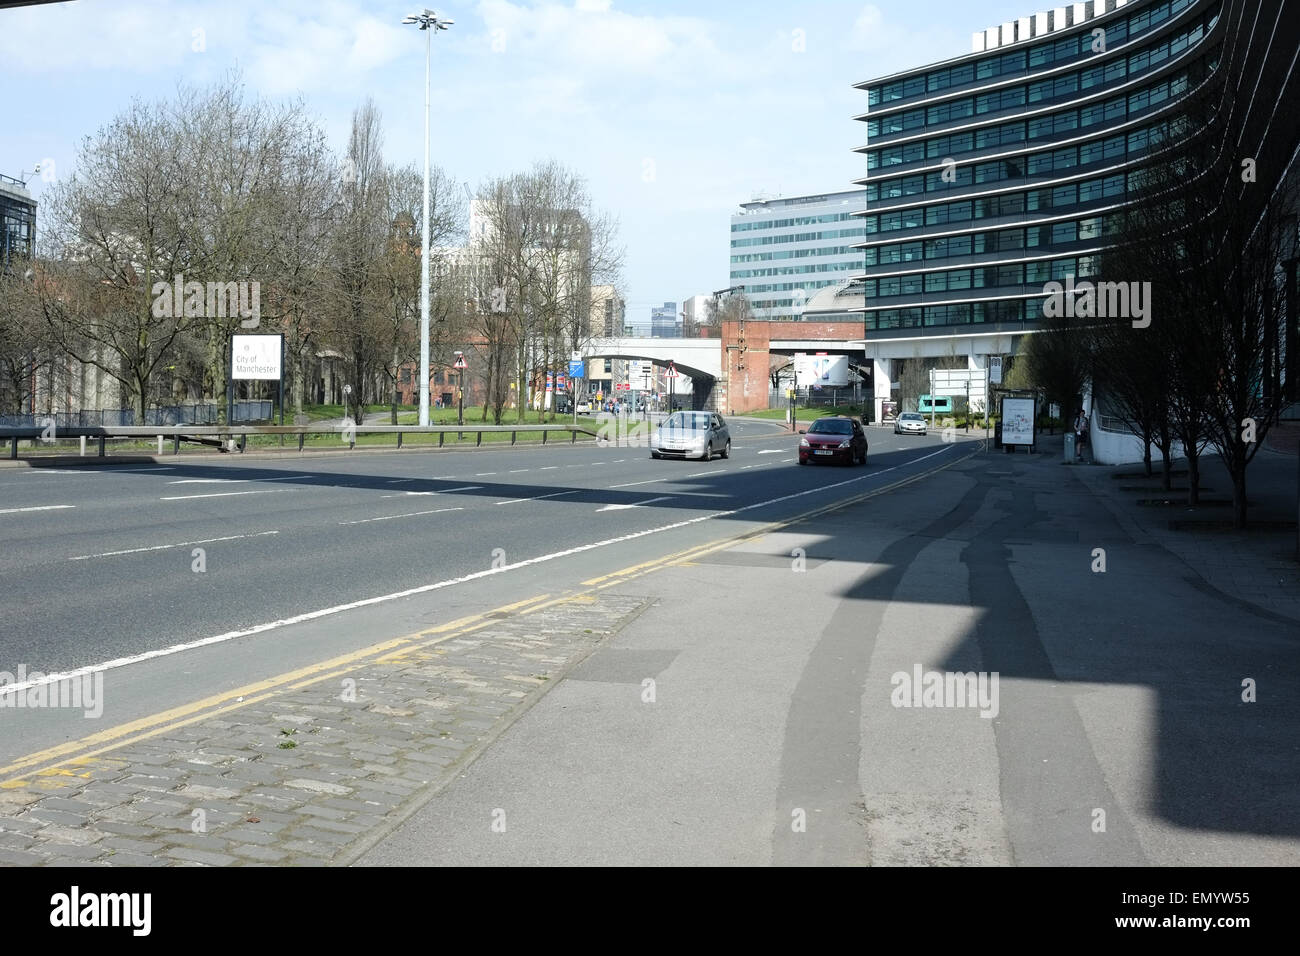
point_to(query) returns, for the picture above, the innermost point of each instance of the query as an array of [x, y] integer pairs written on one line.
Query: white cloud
[[870, 31], [591, 36]]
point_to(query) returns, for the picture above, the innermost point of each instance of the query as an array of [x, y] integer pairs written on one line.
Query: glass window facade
[[977, 197], [17, 224]]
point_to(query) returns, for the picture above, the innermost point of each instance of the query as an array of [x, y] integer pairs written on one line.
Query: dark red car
[[838, 439]]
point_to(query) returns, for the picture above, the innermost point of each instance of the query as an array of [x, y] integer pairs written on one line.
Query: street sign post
[[461, 365]]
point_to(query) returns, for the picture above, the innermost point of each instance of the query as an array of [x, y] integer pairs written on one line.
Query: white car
[[691, 435], [913, 423], [584, 407]]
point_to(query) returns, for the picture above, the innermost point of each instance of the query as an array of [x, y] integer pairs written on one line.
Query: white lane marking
[[398, 481], [482, 474], [62, 471], [597, 464], [287, 478], [701, 474], [747, 467], [771, 451], [515, 471], [134, 471], [206, 481], [548, 468], [787, 459], [15, 511], [226, 494], [427, 588], [649, 481], [618, 461], [413, 514], [164, 547], [558, 494], [648, 501], [442, 491]]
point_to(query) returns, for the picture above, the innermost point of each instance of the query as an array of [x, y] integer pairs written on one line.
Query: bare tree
[[544, 246], [1130, 377], [26, 346], [1057, 361], [1207, 236], [356, 312], [913, 382], [727, 308], [114, 229], [398, 271]]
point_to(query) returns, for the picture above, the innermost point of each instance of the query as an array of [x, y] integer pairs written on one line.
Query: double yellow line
[[64, 760]]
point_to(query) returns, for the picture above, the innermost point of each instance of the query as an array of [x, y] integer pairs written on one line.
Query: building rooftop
[[765, 204]]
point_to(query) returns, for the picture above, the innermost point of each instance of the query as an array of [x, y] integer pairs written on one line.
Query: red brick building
[[748, 359]]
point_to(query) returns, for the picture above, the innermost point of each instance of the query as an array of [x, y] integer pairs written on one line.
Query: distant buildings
[[783, 250], [663, 321], [17, 222], [608, 311], [695, 314]]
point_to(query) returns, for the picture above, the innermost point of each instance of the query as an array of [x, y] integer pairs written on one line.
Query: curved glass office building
[[991, 174]]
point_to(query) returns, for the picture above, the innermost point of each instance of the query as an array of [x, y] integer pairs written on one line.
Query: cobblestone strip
[[309, 775]]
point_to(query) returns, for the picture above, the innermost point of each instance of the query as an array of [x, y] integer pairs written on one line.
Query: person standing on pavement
[[1080, 434]]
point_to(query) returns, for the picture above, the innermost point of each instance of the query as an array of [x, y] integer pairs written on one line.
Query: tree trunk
[[142, 396], [1239, 496], [1193, 474], [397, 366], [1166, 469], [301, 394]]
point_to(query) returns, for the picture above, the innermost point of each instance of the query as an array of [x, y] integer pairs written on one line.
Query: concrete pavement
[[774, 735]]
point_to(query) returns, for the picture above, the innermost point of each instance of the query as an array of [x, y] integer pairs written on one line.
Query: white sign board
[[953, 381], [995, 369], [960, 382], [255, 357], [828, 371], [1017, 421]]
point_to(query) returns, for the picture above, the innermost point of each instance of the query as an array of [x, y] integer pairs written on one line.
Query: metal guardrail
[[247, 411], [226, 435]]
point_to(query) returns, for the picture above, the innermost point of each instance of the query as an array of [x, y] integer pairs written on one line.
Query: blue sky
[[675, 112]]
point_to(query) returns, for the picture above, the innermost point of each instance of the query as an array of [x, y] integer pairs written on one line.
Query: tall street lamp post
[[430, 21]]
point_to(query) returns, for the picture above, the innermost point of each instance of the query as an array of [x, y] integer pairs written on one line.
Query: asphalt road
[[300, 559]]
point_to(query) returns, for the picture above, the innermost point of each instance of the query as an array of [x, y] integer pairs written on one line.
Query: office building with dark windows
[[994, 173]]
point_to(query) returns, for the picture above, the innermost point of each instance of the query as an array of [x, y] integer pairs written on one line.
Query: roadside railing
[[247, 411], [235, 437]]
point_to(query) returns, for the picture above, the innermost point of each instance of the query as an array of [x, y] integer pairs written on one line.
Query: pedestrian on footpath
[[1080, 434]]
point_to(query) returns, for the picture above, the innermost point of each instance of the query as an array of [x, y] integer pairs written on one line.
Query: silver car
[[913, 423], [691, 435]]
